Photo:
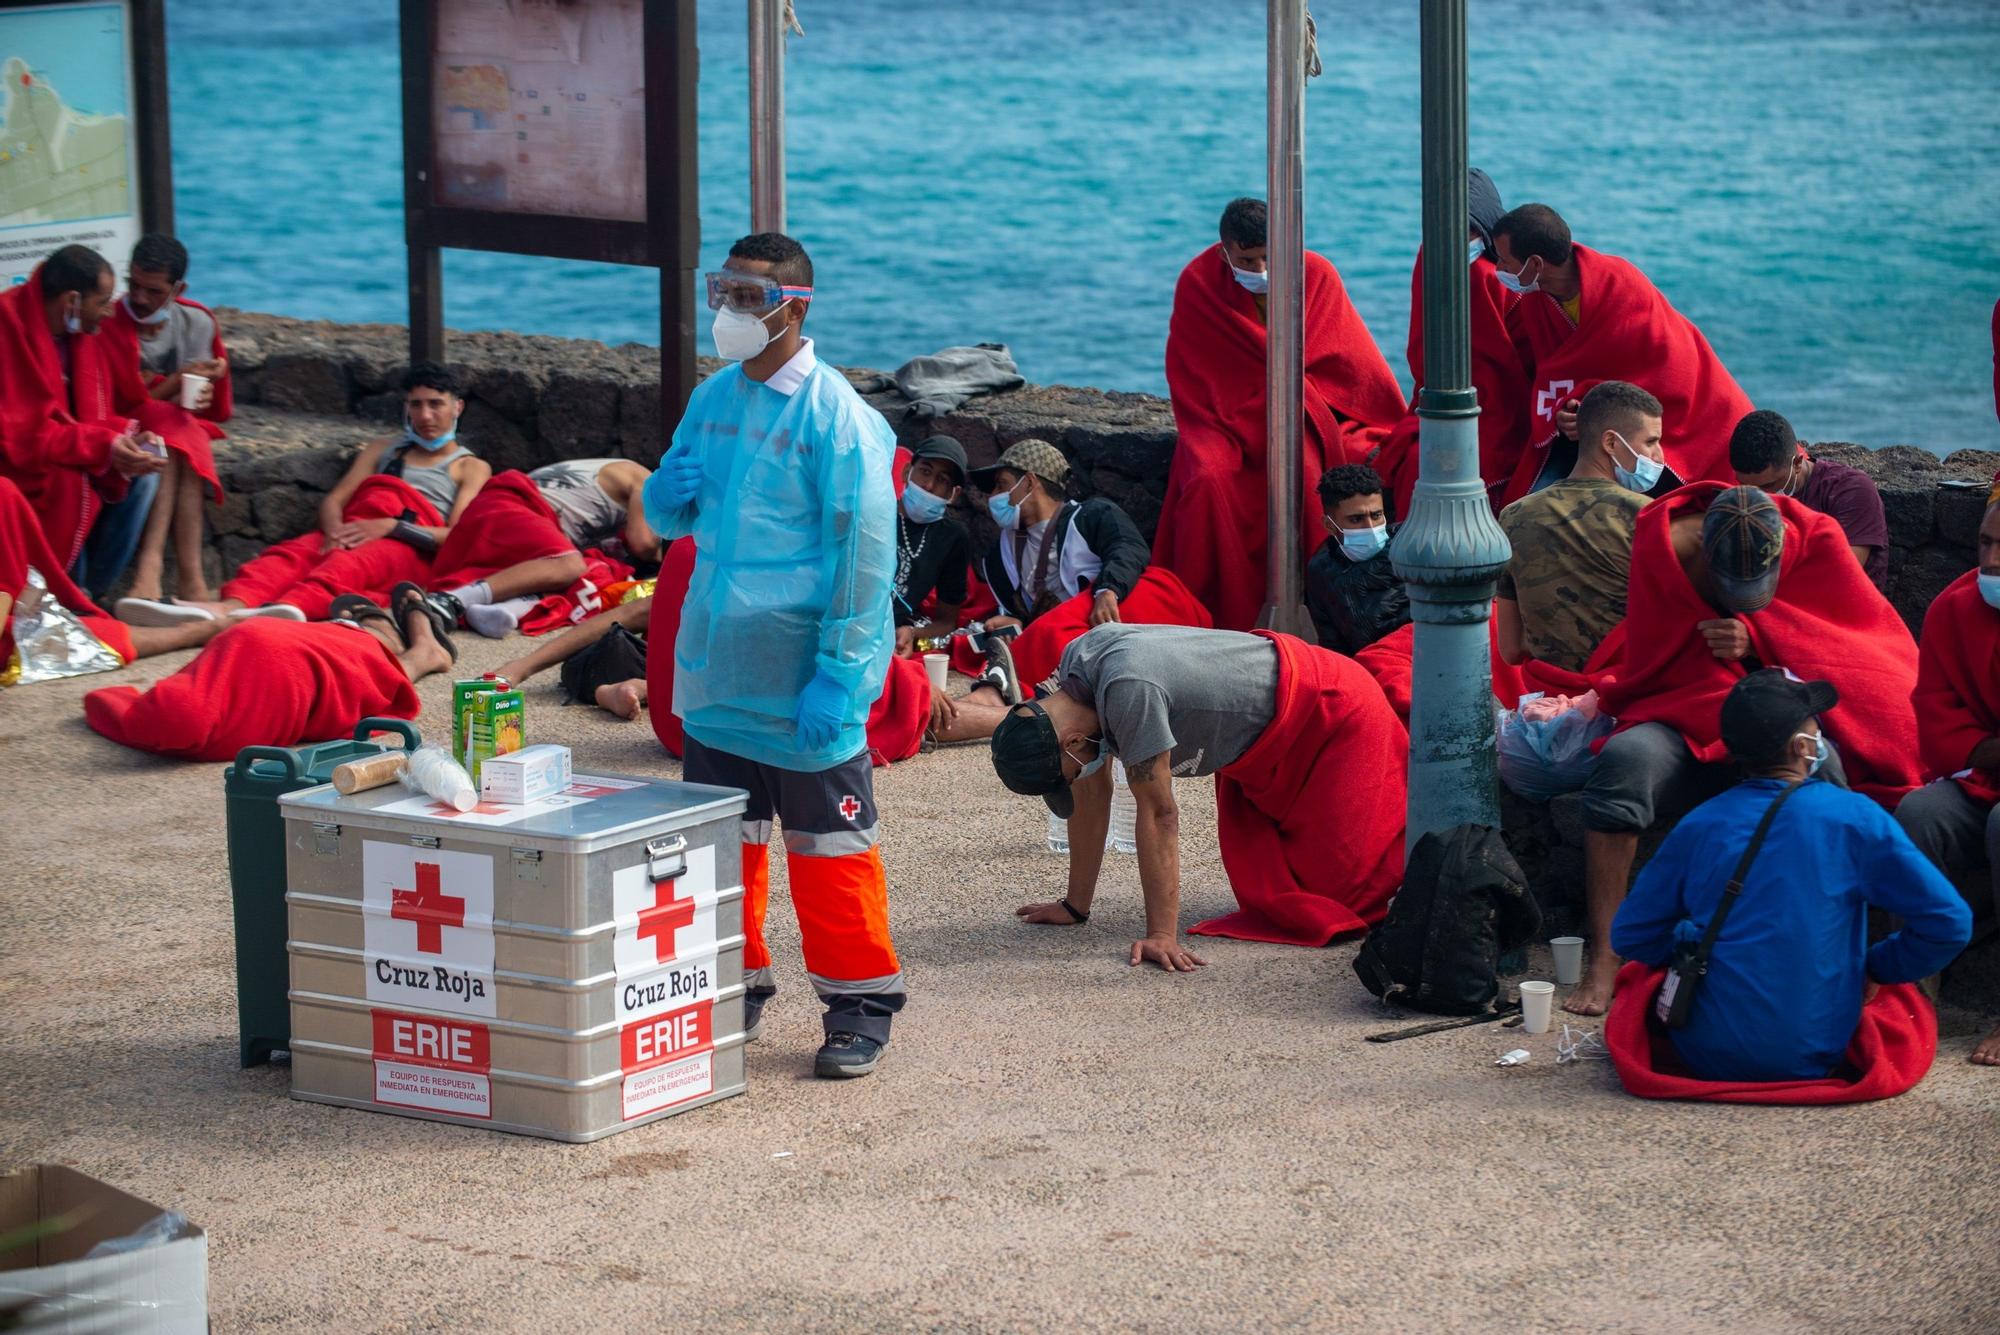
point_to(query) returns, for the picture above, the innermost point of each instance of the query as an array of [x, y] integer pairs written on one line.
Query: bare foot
[[199, 594], [222, 608], [1593, 994], [620, 698], [1988, 1051], [424, 655]]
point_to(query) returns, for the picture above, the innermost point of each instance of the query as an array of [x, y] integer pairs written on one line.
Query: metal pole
[[767, 115], [1451, 547], [1285, 305]]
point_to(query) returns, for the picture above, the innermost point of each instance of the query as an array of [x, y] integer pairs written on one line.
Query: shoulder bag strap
[[1734, 890]]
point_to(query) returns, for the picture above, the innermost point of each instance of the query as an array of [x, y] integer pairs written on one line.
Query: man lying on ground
[[525, 536], [155, 327], [1765, 453], [1583, 317], [1212, 531], [1791, 964], [78, 435], [1352, 589], [1564, 587], [379, 526], [266, 681], [1726, 581], [1058, 567], [1955, 819], [1286, 728]]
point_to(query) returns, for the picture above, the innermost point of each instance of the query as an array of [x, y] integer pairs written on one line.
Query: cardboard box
[[51, 1285], [527, 775], [488, 720]]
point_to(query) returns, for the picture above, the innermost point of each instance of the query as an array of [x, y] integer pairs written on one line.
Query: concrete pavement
[[1054, 1140]]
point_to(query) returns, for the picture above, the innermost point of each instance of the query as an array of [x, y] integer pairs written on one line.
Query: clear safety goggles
[[750, 293]]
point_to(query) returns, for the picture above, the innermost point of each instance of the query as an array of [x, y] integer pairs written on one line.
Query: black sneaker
[[844, 1056], [753, 1012], [446, 606], [1002, 659]]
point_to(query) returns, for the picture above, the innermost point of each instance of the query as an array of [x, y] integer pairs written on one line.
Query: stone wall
[[311, 391]]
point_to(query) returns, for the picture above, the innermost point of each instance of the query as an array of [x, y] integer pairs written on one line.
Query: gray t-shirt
[[1202, 695], [188, 337], [588, 516]]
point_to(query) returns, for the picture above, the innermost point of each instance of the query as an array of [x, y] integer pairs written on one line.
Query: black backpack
[[1463, 904]]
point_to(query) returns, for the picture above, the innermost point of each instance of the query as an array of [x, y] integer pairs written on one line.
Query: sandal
[[409, 600], [358, 607]]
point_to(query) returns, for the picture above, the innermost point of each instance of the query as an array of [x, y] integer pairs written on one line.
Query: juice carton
[[488, 719]]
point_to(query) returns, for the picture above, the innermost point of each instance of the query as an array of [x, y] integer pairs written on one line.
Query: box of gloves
[[527, 775]]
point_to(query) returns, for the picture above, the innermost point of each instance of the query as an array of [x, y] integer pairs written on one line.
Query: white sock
[[475, 594], [494, 620]]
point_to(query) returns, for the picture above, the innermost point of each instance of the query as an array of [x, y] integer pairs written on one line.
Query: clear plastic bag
[[155, 1232], [432, 771], [1545, 743], [51, 641]]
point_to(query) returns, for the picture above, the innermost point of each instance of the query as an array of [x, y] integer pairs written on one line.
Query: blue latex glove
[[822, 709], [679, 478]]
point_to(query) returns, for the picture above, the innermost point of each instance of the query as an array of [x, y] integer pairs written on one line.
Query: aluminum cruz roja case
[[570, 968]]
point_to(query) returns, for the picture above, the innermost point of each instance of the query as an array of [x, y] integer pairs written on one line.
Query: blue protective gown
[[794, 531]]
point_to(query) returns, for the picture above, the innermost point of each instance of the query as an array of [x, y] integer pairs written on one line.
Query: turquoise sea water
[[1816, 184]]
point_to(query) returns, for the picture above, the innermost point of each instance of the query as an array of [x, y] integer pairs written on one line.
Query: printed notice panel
[[539, 106], [68, 157], [427, 928], [434, 1064], [668, 1059], [664, 942]]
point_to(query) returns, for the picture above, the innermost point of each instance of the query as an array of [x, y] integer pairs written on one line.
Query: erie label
[[433, 1064], [668, 1059]]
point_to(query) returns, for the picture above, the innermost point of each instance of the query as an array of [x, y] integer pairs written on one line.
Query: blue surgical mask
[[159, 316], [1006, 513], [1093, 766], [1358, 544], [73, 322], [1512, 281], [922, 507], [1257, 284], [1643, 475], [1820, 751], [1477, 249], [1989, 589], [410, 437]]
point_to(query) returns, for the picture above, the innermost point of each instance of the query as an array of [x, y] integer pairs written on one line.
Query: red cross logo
[[663, 921], [430, 909], [850, 808]]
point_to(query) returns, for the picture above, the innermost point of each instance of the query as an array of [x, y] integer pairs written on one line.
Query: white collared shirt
[[787, 378]]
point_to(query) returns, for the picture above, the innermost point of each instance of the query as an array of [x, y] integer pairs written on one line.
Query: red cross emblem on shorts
[[430, 909], [664, 920], [850, 808]]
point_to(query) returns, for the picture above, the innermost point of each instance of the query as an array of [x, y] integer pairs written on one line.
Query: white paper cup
[[1538, 1000], [1568, 952], [191, 387], [937, 665]]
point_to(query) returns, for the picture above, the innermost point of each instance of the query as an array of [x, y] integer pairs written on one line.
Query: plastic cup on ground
[[1538, 1000], [191, 387], [937, 665], [1568, 952]]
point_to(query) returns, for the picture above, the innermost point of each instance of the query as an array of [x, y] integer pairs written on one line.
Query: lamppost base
[[1292, 620]]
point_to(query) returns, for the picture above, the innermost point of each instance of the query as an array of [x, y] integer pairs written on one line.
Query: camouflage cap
[[1744, 537]]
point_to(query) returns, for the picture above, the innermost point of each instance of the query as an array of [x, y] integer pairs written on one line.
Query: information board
[[73, 106]]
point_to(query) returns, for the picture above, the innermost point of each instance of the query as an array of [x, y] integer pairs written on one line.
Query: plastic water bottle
[[1058, 834], [1123, 836]]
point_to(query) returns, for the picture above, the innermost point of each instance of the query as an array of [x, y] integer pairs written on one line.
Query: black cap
[[1763, 711], [945, 448], [1028, 757], [1744, 537]]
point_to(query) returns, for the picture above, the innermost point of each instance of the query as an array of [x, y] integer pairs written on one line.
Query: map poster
[[539, 107], [68, 160]]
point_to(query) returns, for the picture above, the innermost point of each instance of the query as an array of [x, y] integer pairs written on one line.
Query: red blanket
[[1627, 331], [304, 572], [187, 434], [1892, 1049], [264, 682], [55, 439], [510, 522], [1958, 687], [1333, 746], [1212, 525], [1496, 373], [896, 723], [1158, 599], [22, 545], [1389, 661], [1828, 622]]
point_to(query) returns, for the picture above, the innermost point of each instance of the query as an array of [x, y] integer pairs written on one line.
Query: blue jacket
[[1783, 992]]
